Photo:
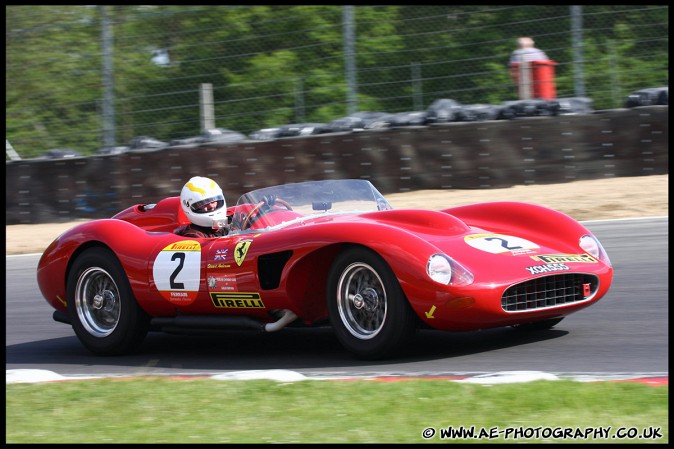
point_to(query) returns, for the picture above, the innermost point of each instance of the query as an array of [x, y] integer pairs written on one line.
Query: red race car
[[318, 252]]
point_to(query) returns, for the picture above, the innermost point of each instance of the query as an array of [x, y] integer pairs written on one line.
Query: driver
[[204, 204]]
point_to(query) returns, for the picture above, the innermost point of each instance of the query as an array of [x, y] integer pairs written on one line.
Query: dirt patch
[[630, 197]]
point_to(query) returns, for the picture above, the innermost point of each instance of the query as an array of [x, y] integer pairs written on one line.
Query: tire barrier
[[452, 155]]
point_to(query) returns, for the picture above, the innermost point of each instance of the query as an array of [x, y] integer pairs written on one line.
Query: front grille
[[549, 291]]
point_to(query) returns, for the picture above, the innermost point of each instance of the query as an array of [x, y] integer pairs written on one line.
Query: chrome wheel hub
[[361, 300], [97, 302]]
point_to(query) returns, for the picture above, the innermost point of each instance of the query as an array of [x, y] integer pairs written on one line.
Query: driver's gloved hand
[[269, 200]]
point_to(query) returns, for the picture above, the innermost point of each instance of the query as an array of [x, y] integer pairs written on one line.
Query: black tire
[[102, 308], [539, 325], [367, 308]]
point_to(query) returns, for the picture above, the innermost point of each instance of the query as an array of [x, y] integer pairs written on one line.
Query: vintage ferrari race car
[[320, 253]]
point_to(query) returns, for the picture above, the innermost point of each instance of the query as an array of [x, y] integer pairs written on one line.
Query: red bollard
[[544, 79], [535, 79]]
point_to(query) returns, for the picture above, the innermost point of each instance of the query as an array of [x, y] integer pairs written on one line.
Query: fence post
[[577, 38], [349, 56], [109, 139], [416, 87], [206, 106]]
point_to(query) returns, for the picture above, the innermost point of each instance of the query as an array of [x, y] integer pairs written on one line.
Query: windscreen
[[271, 206]]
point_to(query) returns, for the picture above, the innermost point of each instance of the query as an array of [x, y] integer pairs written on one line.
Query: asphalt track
[[624, 335]]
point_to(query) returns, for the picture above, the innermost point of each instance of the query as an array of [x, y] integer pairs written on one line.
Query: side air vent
[[270, 267]]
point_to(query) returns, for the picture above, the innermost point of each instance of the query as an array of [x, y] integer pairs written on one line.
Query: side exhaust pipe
[[61, 317], [287, 318], [188, 323]]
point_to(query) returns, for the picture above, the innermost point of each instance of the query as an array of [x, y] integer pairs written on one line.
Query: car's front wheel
[[367, 307], [102, 308]]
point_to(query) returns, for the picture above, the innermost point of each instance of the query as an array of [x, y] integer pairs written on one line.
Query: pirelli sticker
[[237, 300], [564, 258]]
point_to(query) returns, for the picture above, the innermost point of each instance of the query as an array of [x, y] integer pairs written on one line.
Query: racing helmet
[[198, 192]]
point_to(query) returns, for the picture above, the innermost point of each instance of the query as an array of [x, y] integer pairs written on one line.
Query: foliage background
[[276, 65]]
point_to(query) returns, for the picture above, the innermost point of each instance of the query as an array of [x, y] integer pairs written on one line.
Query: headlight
[[591, 245], [439, 269], [445, 270]]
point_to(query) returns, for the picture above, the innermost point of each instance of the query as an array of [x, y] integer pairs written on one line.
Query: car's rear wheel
[[368, 310], [102, 308]]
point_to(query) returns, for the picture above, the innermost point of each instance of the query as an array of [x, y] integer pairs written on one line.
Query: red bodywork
[[251, 274]]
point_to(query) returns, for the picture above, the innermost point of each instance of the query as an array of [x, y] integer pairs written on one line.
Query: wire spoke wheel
[[361, 299], [97, 302], [102, 307], [367, 308]]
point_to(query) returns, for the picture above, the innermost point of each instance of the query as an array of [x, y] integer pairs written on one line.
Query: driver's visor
[[198, 207]]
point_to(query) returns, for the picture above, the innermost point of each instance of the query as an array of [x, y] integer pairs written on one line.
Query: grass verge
[[161, 410]]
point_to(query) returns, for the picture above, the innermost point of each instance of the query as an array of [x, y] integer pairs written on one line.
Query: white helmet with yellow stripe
[[203, 202]]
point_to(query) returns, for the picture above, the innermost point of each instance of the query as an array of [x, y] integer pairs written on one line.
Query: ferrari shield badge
[[241, 250], [176, 272]]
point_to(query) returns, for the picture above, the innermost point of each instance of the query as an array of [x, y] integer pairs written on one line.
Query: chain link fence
[[88, 78]]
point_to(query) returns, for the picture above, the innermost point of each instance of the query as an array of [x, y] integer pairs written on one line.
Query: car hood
[[511, 255], [427, 222]]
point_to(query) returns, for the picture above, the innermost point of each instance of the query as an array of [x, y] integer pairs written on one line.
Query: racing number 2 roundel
[[176, 272], [500, 243]]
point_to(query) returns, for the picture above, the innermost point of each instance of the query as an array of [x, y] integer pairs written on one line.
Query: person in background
[[526, 52], [520, 65], [203, 202]]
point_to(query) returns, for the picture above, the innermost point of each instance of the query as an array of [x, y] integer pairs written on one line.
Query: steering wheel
[[258, 211]]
